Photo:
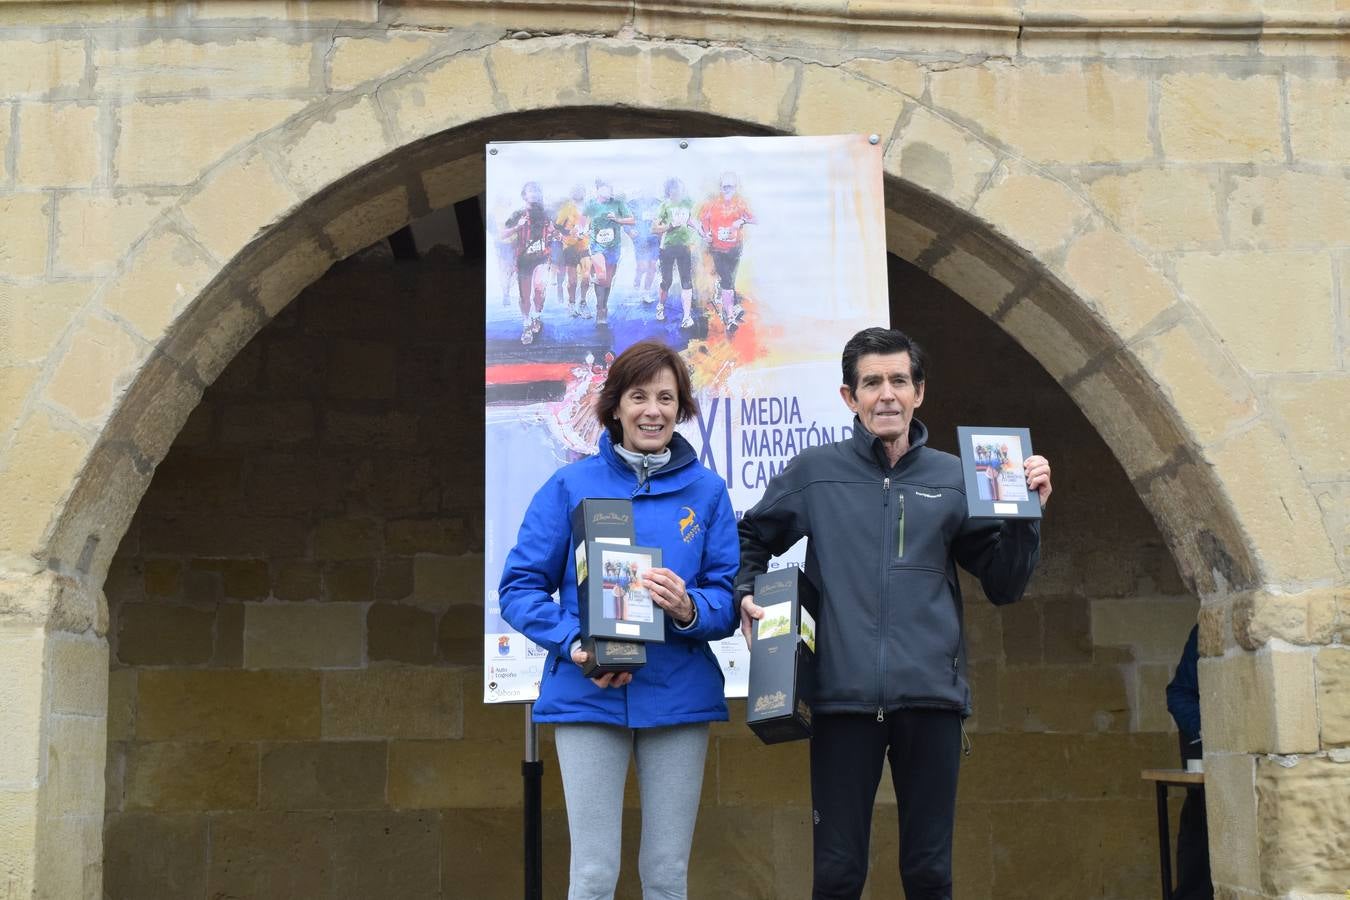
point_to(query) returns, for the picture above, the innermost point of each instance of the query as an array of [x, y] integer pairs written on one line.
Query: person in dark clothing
[[886, 523], [1183, 702]]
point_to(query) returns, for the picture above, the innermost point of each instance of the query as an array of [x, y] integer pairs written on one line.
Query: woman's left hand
[[668, 590]]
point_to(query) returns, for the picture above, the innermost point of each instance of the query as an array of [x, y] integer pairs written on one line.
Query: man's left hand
[[1038, 477]]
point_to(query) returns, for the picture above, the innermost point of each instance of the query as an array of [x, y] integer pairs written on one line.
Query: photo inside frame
[[627, 597], [998, 467]]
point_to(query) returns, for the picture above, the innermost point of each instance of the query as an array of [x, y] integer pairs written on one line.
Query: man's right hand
[[749, 612]]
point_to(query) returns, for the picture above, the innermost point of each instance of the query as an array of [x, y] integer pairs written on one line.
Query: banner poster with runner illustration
[[755, 257]]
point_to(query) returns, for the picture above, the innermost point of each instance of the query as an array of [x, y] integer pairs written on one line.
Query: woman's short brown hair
[[640, 364]]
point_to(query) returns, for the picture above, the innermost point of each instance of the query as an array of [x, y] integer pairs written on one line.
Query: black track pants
[[924, 749]]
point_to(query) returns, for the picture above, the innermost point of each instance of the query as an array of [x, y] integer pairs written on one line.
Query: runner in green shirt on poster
[[604, 214], [678, 229]]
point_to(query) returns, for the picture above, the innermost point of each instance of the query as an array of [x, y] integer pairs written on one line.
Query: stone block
[[440, 96], [1218, 118], [172, 142], [1305, 618], [392, 428], [325, 775], [241, 579], [362, 370], [460, 635], [240, 200], [1235, 291], [301, 265], [229, 647], [121, 705], [6, 132], [369, 222], [1154, 628], [1104, 838], [443, 581], [451, 182], [1043, 335], [1059, 768], [39, 466], [393, 854], [15, 384], [1032, 210], [267, 422], [304, 635], [1333, 695], [1208, 391], [452, 774], [748, 88], [354, 60], [831, 101], [227, 705], [1021, 628], [1319, 118], [1166, 208], [94, 231], [975, 280], [1303, 824], [335, 539], [181, 777], [1276, 507], [19, 825], [489, 721], [1150, 698], [323, 150], [1030, 701], [23, 239], [1110, 398], [159, 281], [1289, 209], [401, 634], [287, 11], [1090, 114], [40, 68], [349, 581], [393, 703], [1067, 631], [160, 634], [55, 145], [1120, 284], [35, 315], [474, 842], [78, 668], [76, 750], [23, 708], [394, 580], [769, 781], [640, 74], [940, 156], [1259, 702], [1316, 417], [425, 536], [907, 238], [270, 855], [100, 361], [175, 68], [149, 855], [516, 68]]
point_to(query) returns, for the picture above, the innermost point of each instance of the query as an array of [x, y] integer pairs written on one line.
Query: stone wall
[[296, 630]]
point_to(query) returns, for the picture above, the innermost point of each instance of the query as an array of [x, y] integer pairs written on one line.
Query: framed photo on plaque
[[996, 482], [616, 603]]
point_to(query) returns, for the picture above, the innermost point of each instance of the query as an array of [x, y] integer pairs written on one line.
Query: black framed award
[[992, 465], [782, 657]]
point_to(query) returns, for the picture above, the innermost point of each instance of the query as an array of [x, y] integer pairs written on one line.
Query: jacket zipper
[[885, 558]]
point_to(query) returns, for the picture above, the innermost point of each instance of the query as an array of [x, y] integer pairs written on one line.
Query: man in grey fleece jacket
[[885, 518]]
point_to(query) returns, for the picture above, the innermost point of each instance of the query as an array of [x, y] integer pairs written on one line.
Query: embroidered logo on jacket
[[929, 496], [689, 528]]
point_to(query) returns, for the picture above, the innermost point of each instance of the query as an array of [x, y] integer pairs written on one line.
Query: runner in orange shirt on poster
[[723, 217]]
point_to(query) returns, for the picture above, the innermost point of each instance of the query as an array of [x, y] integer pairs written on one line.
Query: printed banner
[[756, 258]]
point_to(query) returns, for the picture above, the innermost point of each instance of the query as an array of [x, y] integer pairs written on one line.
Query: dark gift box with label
[[782, 658], [616, 612]]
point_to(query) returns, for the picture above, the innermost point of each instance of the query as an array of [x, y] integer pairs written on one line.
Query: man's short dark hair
[[883, 342]]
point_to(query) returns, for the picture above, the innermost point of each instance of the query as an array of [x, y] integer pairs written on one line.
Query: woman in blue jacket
[[659, 714]]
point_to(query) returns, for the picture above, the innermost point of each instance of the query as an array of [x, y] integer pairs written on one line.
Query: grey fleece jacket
[[889, 626]]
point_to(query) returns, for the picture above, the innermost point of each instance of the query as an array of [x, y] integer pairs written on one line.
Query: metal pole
[[532, 771]]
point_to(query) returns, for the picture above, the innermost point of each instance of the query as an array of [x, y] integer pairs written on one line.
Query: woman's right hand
[[609, 679]]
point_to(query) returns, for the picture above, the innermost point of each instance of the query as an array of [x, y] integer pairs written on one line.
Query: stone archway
[[270, 216]]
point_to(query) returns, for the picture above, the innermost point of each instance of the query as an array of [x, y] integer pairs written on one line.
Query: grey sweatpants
[[594, 763]]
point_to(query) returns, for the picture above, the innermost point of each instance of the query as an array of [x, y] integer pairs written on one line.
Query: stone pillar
[[1275, 701], [53, 736]]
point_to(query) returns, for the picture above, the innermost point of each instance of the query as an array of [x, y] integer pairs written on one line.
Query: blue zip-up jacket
[[883, 544], [684, 509]]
